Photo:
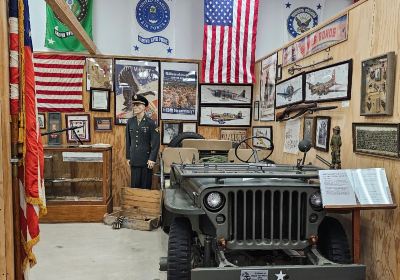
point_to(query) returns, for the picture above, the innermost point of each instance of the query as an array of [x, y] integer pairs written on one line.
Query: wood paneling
[[6, 212], [372, 31]]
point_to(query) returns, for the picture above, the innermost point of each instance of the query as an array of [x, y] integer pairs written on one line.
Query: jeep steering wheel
[[254, 154]]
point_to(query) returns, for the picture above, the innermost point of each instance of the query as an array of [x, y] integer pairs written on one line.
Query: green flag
[[58, 36]]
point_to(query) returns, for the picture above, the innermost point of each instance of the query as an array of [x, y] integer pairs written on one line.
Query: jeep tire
[[179, 250], [177, 140], [332, 241]]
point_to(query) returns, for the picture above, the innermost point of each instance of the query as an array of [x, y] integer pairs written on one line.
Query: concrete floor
[[95, 251]]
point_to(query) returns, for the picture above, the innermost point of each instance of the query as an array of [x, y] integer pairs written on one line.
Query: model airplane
[[324, 88], [224, 117], [226, 94], [288, 92]]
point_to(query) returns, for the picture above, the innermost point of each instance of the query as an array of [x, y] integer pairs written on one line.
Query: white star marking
[[280, 276], [51, 41]]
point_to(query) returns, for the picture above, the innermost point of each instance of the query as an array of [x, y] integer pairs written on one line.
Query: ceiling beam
[[62, 10]]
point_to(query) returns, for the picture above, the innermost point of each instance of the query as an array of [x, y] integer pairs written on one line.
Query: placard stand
[[350, 185]]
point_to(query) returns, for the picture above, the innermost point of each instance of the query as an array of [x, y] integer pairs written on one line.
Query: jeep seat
[[246, 154], [176, 155], [208, 147]]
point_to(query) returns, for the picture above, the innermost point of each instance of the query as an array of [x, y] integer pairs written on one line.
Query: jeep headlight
[[214, 201], [316, 201]]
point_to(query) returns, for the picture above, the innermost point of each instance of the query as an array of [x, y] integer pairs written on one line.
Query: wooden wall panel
[[372, 31]]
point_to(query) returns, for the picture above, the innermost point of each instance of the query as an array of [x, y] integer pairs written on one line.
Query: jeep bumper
[[284, 272]]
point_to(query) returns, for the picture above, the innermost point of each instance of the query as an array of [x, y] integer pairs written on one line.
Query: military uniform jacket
[[142, 141]]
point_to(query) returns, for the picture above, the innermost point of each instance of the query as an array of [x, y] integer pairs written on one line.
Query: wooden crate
[[133, 219], [147, 202]]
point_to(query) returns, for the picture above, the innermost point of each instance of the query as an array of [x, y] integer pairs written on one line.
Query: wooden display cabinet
[[77, 183]]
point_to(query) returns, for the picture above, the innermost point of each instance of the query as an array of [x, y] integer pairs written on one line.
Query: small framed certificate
[[99, 100]]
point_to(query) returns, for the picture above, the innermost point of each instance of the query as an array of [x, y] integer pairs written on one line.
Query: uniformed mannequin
[[142, 144]]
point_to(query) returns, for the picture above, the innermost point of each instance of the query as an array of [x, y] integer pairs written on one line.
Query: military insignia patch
[[301, 20], [157, 129]]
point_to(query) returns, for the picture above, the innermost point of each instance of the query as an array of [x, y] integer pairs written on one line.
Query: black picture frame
[[288, 94], [309, 129], [378, 80], [54, 123], [322, 133], [102, 124], [225, 116], [122, 88], [169, 130], [226, 94], [262, 131], [256, 111], [320, 84], [267, 85], [94, 93], [369, 139], [42, 120]]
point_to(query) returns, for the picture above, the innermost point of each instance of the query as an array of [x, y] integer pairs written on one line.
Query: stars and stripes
[[230, 28], [59, 82], [24, 111]]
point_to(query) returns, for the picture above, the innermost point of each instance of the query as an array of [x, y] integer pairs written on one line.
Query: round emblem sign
[[301, 20], [78, 7], [152, 15]]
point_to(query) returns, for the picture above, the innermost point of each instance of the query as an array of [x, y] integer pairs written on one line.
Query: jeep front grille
[[268, 217]]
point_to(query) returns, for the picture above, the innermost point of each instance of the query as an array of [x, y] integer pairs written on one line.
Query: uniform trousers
[[141, 177]]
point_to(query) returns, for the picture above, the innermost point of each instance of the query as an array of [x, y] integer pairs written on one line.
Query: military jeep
[[248, 221]]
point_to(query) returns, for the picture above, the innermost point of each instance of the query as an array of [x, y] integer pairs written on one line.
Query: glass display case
[[77, 183]]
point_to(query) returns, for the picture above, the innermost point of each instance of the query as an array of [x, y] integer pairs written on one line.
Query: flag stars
[[288, 5], [169, 50], [136, 48], [319, 6]]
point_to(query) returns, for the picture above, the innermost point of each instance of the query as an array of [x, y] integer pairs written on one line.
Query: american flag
[[59, 82], [24, 110], [230, 28]]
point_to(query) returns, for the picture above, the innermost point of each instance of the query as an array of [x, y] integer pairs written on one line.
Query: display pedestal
[[78, 183]]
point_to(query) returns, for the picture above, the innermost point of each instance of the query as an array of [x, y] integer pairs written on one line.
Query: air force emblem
[[153, 15]]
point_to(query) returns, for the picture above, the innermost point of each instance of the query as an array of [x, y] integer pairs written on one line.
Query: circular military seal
[[152, 15], [78, 7], [301, 20]]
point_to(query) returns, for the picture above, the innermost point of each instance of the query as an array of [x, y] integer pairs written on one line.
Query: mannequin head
[[138, 109]]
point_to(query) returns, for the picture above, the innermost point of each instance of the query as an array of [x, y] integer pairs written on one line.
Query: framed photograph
[[226, 94], [256, 111], [54, 123], [309, 129], [235, 135], [103, 124], [169, 131], [289, 92], [179, 91], [267, 87], [225, 116], [189, 127], [377, 85], [42, 120], [322, 133], [99, 100], [262, 131], [135, 77], [99, 73], [329, 83], [376, 139], [83, 122]]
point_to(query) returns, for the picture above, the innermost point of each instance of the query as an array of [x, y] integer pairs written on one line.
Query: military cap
[[140, 99]]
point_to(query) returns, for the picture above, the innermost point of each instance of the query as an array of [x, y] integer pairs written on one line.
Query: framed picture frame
[[135, 77], [256, 111], [378, 79], [83, 122], [99, 73], [189, 127], [102, 124], [169, 130], [376, 139], [279, 72], [99, 100], [289, 91], [268, 87], [330, 83], [42, 120], [309, 129], [54, 123], [225, 116], [236, 135], [179, 91], [262, 131], [226, 94], [322, 133]]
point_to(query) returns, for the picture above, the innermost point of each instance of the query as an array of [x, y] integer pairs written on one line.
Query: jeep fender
[[178, 202]]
